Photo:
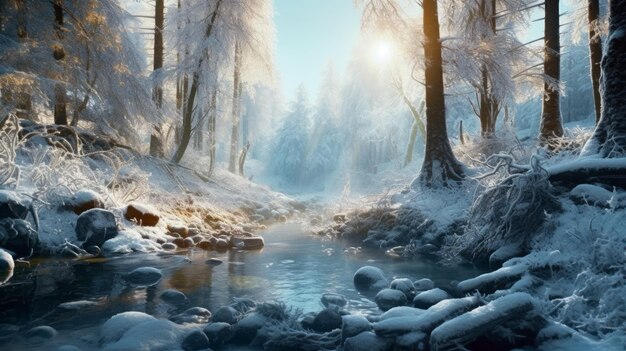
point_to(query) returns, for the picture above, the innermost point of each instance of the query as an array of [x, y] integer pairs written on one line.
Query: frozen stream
[[294, 267]]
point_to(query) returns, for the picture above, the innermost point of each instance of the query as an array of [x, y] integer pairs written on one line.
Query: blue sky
[[310, 33]]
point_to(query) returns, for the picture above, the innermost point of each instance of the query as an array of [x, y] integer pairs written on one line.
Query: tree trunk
[[193, 90], [609, 138], [440, 165], [234, 136], [156, 138], [489, 106], [60, 109], [242, 158], [595, 54], [417, 125], [551, 126], [212, 137]]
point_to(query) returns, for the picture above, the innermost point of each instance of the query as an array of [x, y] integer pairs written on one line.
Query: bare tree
[[60, 109], [236, 111], [156, 137], [595, 53]]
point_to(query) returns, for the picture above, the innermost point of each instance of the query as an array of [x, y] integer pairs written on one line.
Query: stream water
[[294, 267]]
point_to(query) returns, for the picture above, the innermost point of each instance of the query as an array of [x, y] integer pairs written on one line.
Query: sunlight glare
[[382, 52]]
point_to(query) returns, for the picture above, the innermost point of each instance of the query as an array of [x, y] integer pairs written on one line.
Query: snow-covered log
[[609, 171], [468, 326], [492, 281]]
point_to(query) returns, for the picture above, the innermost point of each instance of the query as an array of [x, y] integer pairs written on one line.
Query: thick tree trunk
[[609, 138], [236, 111], [212, 137], [156, 138], [440, 166], [60, 109], [595, 54], [551, 126], [191, 97]]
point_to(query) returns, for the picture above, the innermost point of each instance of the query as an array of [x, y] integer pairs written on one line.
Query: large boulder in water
[[18, 237], [96, 226], [368, 278]]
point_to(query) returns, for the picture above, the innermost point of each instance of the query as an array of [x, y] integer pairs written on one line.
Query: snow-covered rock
[[13, 205], [246, 329], [18, 237], [592, 194], [405, 285], [327, 320], [129, 241], [423, 284], [353, 325], [427, 321], [389, 298], [468, 326], [411, 341], [427, 298], [142, 214], [115, 327], [368, 278], [148, 336], [226, 314], [332, 299], [492, 281], [144, 276], [96, 226], [218, 333], [195, 315], [84, 200], [401, 311], [504, 254], [368, 341], [195, 340], [173, 297], [6, 261], [41, 332]]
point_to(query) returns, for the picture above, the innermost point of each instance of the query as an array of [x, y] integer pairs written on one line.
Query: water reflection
[[293, 267]]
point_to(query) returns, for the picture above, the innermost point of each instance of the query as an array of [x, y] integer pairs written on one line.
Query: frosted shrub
[[9, 141]]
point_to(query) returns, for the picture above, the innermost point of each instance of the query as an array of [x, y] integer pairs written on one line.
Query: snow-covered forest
[[450, 176]]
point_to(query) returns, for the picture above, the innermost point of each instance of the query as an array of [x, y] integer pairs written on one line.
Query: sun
[[382, 52]]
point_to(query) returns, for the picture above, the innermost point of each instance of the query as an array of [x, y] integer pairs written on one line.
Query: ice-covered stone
[[96, 226], [353, 325], [405, 285], [423, 284], [368, 341], [144, 276], [173, 297], [84, 200], [149, 335], [18, 237], [218, 333], [115, 327], [13, 205], [368, 278], [195, 315], [142, 214], [389, 298], [332, 299], [327, 320], [6, 261], [41, 332], [195, 340], [226, 314], [427, 298]]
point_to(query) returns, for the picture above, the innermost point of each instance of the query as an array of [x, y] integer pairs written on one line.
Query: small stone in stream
[[8, 330], [142, 214], [369, 278], [18, 237], [96, 226], [145, 276], [427, 298], [196, 239], [226, 314], [389, 298], [197, 315], [173, 297], [405, 285], [354, 325], [327, 320], [205, 245], [332, 299], [248, 243], [180, 242], [367, 341], [214, 261], [178, 229], [169, 246], [84, 200], [195, 340], [218, 333], [6, 261], [423, 284], [222, 244], [41, 332]]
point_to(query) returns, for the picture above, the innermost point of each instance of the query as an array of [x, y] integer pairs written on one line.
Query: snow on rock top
[[114, 328], [472, 324], [368, 278], [490, 282], [150, 335], [144, 276]]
